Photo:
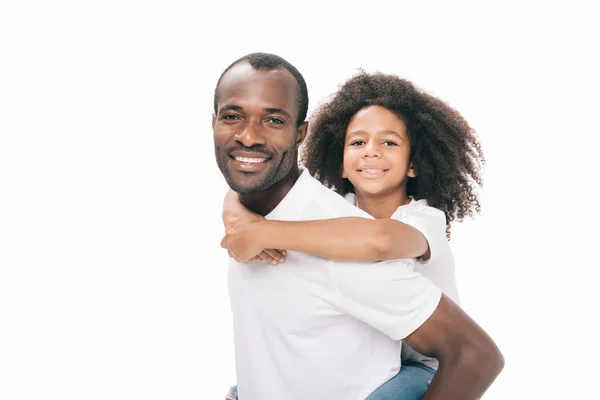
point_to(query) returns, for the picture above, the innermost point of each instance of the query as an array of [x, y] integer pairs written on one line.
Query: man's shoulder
[[326, 198], [310, 199], [336, 204]]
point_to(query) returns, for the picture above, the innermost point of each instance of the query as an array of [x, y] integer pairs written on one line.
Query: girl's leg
[[410, 384], [232, 394]]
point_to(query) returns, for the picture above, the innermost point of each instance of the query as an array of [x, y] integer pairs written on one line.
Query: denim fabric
[[409, 384]]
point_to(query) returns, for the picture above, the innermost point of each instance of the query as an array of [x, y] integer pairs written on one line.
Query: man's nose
[[250, 134]]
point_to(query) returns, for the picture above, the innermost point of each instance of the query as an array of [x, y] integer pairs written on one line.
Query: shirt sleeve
[[389, 296], [431, 222]]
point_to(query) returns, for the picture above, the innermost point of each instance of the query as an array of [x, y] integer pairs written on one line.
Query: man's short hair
[[272, 61]]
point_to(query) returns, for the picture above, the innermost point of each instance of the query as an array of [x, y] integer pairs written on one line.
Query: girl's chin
[[373, 191]]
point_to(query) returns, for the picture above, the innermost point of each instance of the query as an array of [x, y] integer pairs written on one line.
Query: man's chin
[[243, 185]]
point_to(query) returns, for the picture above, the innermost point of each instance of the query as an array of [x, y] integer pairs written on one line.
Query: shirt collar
[[297, 199]]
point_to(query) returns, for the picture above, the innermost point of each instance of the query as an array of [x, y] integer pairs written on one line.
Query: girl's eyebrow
[[383, 131]]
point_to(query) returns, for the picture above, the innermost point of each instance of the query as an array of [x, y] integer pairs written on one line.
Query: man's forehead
[[243, 83]]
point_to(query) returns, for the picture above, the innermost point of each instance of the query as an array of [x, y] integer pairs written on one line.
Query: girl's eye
[[390, 143], [357, 143]]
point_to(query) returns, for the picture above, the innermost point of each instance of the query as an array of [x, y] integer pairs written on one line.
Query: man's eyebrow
[[230, 107], [277, 111]]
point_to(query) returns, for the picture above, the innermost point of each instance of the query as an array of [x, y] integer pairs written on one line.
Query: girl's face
[[377, 152]]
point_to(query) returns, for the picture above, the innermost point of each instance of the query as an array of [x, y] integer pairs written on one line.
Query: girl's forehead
[[376, 120]]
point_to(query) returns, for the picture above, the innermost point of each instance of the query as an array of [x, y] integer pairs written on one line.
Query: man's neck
[[265, 201]]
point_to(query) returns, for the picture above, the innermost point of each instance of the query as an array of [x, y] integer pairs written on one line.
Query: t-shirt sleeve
[[431, 222], [389, 296]]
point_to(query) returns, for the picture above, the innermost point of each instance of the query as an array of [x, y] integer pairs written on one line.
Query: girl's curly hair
[[445, 150]]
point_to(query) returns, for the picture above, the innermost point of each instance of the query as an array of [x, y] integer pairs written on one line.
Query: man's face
[[255, 133]]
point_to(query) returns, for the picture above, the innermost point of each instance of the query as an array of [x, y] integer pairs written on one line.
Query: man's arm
[[469, 360], [398, 301]]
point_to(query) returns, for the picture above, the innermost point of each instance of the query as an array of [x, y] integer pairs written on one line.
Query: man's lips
[[249, 161], [249, 157]]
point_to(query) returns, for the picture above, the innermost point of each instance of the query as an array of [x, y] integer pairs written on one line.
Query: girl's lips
[[372, 173]]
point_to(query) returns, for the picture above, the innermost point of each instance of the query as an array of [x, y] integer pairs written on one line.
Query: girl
[[403, 156]]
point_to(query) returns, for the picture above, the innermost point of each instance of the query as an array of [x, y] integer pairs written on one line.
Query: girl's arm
[[234, 213], [350, 238]]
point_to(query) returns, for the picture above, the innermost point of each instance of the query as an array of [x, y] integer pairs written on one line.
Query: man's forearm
[[466, 378], [469, 359]]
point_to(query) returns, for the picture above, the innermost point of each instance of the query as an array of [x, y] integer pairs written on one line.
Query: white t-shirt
[[316, 329], [439, 268], [431, 222]]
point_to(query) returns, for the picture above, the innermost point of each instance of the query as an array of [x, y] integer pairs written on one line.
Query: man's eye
[[230, 117], [276, 121]]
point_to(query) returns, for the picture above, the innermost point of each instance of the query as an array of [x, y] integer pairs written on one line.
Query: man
[[315, 328]]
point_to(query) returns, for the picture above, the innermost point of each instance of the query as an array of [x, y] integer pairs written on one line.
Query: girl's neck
[[382, 206]]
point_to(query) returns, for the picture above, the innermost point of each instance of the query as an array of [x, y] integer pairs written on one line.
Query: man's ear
[[302, 130], [214, 120], [412, 173]]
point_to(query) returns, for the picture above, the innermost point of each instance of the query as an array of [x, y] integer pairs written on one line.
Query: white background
[[112, 283]]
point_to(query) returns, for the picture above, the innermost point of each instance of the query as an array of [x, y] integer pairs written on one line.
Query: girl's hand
[[234, 210], [243, 243], [235, 214], [271, 256]]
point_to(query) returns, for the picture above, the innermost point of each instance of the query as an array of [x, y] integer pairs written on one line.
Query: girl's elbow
[[382, 246], [387, 246], [497, 361]]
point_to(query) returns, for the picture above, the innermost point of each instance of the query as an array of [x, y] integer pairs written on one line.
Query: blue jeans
[[409, 384]]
